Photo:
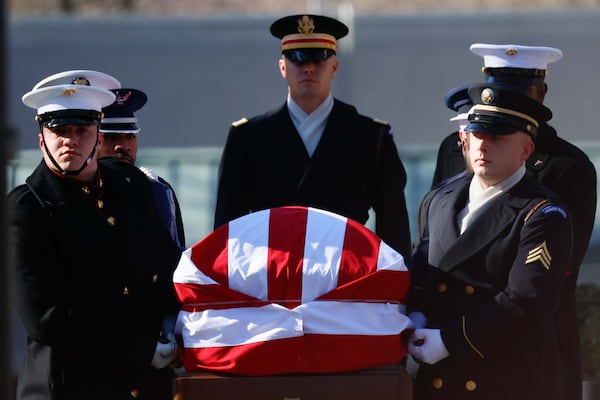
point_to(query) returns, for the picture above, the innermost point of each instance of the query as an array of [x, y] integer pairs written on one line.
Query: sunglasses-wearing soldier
[[314, 150], [93, 262]]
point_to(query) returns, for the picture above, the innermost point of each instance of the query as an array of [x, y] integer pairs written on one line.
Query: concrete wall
[[203, 73]]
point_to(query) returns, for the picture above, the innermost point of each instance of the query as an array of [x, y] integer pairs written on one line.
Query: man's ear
[[336, 66], [282, 68], [543, 91]]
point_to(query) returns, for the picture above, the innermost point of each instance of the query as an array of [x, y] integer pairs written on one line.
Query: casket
[[385, 383], [291, 290]]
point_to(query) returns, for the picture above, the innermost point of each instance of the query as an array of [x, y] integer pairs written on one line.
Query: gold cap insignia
[[488, 96], [540, 253], [306, 25], [69, 92], [512, 52], [80, 80]]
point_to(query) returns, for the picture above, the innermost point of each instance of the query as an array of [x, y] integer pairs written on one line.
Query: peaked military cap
[[119, 117], [70, 104], [80, 77], [458, 99], [513, 64], [502, 109], [308, 32]]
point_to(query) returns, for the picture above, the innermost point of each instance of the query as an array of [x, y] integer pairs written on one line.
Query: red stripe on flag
[[210, 255], [215, 297], [287, 234], [263, 358], [309, 353], [333, 353], [382, 286], [359, 254]]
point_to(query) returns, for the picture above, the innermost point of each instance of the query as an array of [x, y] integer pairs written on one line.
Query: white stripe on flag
[[238, 326], [323, 247], [188, 272], [247, 252], [352, 318], [389, 258]]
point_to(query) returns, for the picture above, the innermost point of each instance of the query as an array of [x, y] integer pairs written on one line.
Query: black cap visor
[[519, 77], [55, 119], [300, 56], [119, 128], [500, 124]]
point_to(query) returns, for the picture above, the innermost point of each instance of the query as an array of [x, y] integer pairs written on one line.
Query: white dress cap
[[516, 56], [80, 77], [68, 97]]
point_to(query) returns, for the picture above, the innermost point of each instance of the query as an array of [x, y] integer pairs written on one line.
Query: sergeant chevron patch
[[540, 253]]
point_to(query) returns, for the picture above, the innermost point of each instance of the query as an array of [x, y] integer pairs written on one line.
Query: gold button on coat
[[125, 291], [134, 393], [100, 203], [442, 287], [155, 278], [438, 383], [469, 289], [470, 385], [112, 221]]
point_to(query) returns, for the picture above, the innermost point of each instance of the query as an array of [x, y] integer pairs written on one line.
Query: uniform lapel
[[501, 213], [443, 229]]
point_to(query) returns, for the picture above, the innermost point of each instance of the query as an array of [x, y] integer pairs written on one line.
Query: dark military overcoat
[[566, 170], [93, 267], [354, 167], [492, 292]]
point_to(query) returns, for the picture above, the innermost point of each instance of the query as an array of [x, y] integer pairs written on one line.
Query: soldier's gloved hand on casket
[[427, 345], [165, 353], [418, 319]]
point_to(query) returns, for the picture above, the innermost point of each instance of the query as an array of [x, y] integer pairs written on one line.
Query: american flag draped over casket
[[291, 290]]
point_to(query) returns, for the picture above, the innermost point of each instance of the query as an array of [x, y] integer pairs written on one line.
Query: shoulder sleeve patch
[[240, 122], [551, 209]]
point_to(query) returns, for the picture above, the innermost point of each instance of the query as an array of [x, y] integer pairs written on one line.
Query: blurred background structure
[[207, 63]]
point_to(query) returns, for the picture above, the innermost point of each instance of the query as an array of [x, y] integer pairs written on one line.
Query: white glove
[[418, 319], [427, 345], [165, 353]]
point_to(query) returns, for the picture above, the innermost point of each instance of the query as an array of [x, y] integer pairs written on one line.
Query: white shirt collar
[[479, 197], [311, 126]]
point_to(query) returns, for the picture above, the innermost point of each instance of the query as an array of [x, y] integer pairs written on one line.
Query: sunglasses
[[308, 55]]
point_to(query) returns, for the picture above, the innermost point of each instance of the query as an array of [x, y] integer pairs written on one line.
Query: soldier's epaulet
[[149, 173], [239, 122], [384, 127], [380, 121]]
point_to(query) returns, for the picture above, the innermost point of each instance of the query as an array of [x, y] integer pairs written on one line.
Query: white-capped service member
[[93, 262]]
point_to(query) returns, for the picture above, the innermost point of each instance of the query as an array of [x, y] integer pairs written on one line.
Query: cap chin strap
[[62, 171]]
